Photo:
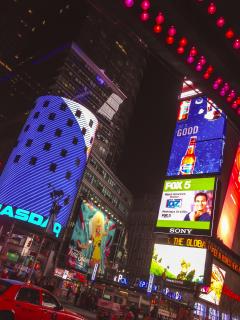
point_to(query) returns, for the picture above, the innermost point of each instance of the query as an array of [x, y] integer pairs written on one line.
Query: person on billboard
[[200, 212]]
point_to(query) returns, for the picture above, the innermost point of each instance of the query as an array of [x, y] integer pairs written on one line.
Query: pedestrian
[[4, 273], [77, 295]]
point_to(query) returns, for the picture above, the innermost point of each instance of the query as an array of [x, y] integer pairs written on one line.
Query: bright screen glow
[[213, 293], [231, 206], [91, 239], [47, 163], [187, 205], [199, 138], [179, 263]]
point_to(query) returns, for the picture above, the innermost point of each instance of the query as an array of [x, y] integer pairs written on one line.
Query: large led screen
[[187, 207], [199, 138], [91, 240], [44, 170], [231, 206], [179, 263], [214, 291]]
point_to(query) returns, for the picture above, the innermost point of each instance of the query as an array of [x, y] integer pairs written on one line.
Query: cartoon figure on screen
[[201, 212], [98, 231], [185, 274]]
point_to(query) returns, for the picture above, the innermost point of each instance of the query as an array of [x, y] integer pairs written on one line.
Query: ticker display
[[199, 138], [187, 207]]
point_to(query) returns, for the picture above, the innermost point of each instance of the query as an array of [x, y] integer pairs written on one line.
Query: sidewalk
[[88, 314]]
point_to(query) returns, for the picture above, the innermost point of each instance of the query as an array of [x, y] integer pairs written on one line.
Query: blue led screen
[[50, 155], [199, 138]]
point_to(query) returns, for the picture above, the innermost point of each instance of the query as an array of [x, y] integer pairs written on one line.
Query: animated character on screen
[[185, 274], [201, 212], [91, 240]]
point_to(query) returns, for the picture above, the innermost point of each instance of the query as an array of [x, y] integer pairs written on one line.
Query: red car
[[21, 301]]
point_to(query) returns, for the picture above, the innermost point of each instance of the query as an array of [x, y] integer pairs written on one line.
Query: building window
[[52, 116], [68, 175], [77, 162], [84, 130], [85, 149], [36, 115], [29, 143], [47, 146], [45, 104], [63, 107], [63, 152], [78, 113], [33, 161], [58, 132], [91, 140], [40, 127], [26, 128], [90, 123], [75, 140], [70, 122], [53, 167], [17, 158]]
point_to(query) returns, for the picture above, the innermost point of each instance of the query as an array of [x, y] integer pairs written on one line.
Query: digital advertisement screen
[[214, 291], [179, 263], [198, 139], [43, 173], [91, 240], [187, 207], [231, 206]]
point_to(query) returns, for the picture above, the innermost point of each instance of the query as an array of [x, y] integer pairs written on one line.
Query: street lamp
[[56, 196]]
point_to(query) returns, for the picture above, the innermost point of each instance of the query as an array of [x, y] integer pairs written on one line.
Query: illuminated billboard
[[187, 207], [179, 263], [45, 168], [214, 291], [199, 138], [231, 206], [91, 240]]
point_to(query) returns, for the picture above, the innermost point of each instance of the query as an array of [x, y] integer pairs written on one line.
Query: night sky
[[144, 162]]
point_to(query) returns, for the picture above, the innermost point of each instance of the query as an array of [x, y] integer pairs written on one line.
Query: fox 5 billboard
[[187, 207], [198, 139]]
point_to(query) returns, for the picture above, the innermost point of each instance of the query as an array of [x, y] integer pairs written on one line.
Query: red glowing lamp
[[170, 40], [220, 22], [236, 44], [159, 18], [193, 52], [212, 8], [157, 28], [128, 3], [172, 31], [229, 34], [145, 4], [180, 50], [144, 16], [183, 42]]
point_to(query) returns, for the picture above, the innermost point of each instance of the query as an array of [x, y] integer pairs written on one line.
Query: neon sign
[[30, 217]]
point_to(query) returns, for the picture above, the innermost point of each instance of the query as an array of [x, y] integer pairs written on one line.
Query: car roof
[[10, 281], [20, 283]]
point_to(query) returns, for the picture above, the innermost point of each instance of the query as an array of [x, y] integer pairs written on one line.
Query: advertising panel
[[199, 138], [91, 240], [184, 263], [42, 175], [214, 291], [231, 206], [187, 207]]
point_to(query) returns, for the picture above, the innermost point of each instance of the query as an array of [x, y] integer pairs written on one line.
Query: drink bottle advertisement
[[187, 207], [183, 264], [198, 139]]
